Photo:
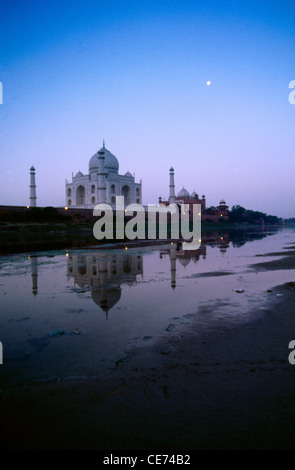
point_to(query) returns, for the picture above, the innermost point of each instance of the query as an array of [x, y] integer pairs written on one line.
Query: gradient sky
[[134, 72]]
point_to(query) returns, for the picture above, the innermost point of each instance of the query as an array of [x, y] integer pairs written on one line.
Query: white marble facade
[[102, 184]]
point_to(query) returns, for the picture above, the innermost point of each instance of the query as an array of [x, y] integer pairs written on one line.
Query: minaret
[[33, 197], [203, 202], [171, 187], [101, 180]]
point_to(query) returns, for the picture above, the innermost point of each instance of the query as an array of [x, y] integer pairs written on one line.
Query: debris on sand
[[56, 333]]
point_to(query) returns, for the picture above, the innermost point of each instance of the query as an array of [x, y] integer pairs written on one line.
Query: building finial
[[103, 144]]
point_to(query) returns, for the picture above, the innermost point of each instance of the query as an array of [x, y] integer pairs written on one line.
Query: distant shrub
[[34, 214]]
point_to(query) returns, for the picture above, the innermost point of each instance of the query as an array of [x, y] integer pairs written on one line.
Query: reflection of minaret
[[34, 274], [33, 197], [171, 187], [173, 265]]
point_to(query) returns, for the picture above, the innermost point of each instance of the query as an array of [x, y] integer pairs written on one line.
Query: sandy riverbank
[[230, 387]]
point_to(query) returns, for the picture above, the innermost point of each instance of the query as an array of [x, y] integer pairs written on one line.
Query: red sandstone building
[[211, 214]]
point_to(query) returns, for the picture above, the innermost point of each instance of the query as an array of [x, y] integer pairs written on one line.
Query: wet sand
[[227, 387]]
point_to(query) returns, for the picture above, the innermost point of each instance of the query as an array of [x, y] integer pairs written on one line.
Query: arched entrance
[[80, 195], [126, 192]]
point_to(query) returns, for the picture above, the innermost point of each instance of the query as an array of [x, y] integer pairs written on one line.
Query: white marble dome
[[183, 193], [111, 163]]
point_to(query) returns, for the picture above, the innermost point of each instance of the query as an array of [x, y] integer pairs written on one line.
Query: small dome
[[79, 174], [222, 202], [194, 194], [128, 174], [184, 261], [111, 163], [183, 193]]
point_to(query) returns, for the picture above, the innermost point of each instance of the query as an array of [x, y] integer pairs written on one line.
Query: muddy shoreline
[[226, 387]]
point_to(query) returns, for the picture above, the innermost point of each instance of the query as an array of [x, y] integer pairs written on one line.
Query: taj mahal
[[102, 184]]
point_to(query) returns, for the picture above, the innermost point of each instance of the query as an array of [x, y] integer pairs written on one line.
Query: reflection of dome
[[80, 284], [106, 297], [184, 261], [111, 163], [183, 193]]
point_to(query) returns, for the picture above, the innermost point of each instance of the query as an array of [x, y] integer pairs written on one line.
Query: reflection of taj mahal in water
[[105, 273]]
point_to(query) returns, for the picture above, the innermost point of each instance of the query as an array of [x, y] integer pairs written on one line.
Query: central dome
[[111, 163]]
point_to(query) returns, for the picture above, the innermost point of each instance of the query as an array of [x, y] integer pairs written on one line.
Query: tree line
[[239, 214]]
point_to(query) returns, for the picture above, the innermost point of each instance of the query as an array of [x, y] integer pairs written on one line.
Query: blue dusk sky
[[134, 72]]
